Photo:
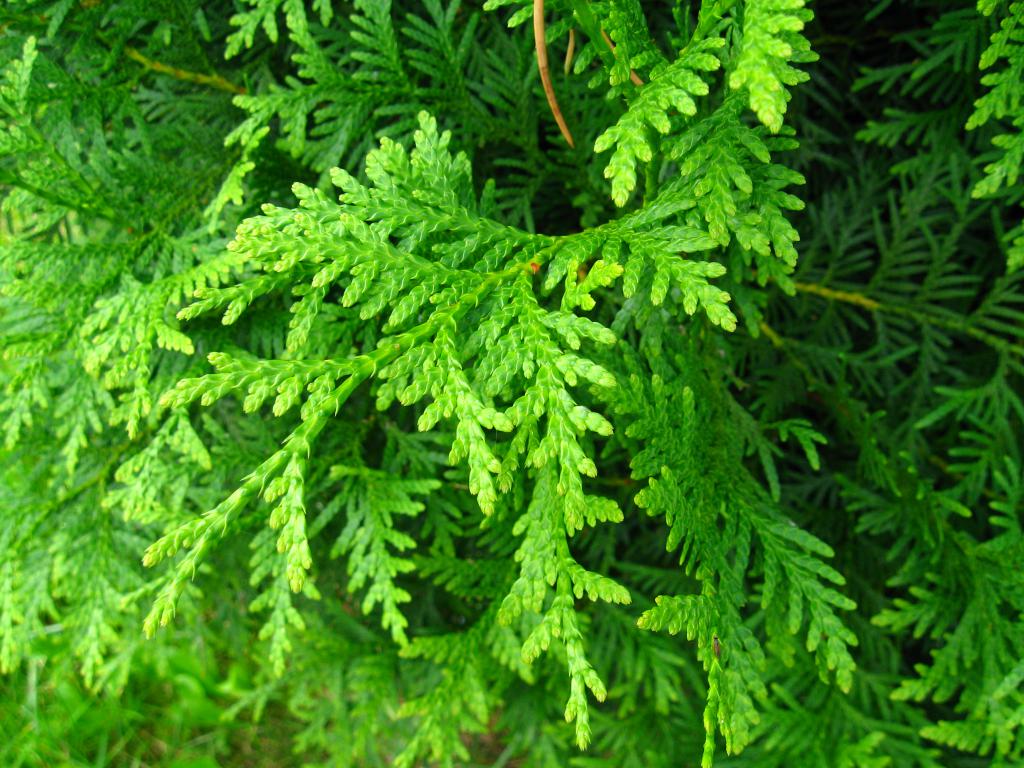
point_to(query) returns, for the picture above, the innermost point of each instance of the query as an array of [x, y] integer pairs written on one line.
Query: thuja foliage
[[662, 408]]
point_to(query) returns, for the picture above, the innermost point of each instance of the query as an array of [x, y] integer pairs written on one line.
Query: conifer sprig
[[699, 437]]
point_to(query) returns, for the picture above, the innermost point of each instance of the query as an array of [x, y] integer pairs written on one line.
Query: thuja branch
[[281, 469], [97, 478]]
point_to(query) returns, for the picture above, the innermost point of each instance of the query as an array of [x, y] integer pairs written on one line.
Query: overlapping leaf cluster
[[458, 445]]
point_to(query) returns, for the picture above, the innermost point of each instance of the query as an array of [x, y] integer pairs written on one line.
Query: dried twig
[[570, 51], [545, 72], [637, 81], [541, 45]]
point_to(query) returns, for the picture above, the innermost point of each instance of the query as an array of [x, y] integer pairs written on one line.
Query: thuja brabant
[[572, 383]]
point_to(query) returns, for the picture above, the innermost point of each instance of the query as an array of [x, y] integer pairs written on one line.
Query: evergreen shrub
[[512, 383]]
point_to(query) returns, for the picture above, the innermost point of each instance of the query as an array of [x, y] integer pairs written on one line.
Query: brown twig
[[545, 72], [637, 81], [571, 50]]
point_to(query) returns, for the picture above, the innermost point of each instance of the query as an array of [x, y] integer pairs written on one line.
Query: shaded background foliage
[[831, 452]]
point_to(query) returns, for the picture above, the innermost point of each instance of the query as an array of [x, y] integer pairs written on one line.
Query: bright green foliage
[[1004, 101], [352, 418], [771, 38], [672, 88]]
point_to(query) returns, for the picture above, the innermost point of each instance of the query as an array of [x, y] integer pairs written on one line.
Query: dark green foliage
[[352, 418]]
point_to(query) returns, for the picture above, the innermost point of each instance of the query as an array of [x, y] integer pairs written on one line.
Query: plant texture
[[512, 383]]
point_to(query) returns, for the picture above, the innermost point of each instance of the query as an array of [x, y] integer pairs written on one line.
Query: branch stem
[[213, 81], [957, 324]]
